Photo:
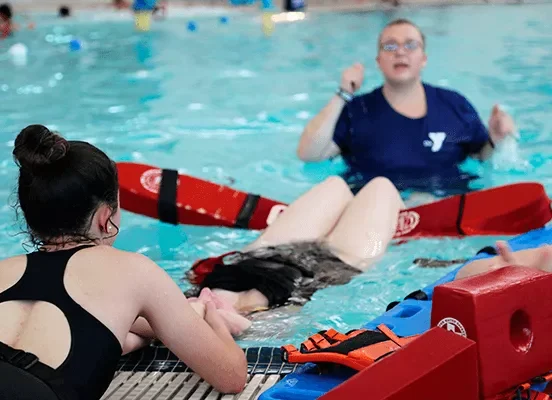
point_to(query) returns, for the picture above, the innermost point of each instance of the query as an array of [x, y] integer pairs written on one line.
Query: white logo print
[[408, 220], [452, 325], [151, 180], [436, 142]]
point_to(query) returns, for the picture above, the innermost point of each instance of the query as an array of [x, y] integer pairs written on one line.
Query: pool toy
[[413, 316], [18, 53], [143, 13], [192, 27], [75, 45], [267, 23], [170, 197], [142, 20]]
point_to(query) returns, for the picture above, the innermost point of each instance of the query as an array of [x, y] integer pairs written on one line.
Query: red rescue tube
[[178, 198], [505, 210]]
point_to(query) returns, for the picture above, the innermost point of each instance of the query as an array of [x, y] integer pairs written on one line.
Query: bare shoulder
[[11, 270], [15, 260], [10, 264], [126, 262]]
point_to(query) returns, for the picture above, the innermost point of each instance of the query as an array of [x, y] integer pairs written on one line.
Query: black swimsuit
[[94, 353]]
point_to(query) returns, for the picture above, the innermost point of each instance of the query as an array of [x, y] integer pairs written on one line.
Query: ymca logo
[[151, 180], [452, 325], [407, 222], [436, 141]]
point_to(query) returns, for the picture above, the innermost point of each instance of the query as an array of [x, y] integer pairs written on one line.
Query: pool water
[[226, 103]]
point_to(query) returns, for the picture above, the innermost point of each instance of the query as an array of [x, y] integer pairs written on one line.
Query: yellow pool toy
[[142, 20], [267, 23]]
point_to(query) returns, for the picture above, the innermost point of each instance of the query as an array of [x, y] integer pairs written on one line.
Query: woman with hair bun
[[73, 306]]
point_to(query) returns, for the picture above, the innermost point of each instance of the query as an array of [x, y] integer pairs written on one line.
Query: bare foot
[[543, 260], [505, 253]]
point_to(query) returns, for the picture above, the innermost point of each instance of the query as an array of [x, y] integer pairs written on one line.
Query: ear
[[424, 60], [102, 217]]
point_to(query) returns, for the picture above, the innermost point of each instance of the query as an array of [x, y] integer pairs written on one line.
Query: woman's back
[[71, 309], [68, 310]]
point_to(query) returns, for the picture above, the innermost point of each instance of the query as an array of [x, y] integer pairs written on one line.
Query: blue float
[[75, 45]]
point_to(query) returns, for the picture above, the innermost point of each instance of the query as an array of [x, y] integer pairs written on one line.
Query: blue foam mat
[[409, 317]]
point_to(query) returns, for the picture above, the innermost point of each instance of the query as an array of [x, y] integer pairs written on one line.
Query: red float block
[[508, 313], [437, 365]]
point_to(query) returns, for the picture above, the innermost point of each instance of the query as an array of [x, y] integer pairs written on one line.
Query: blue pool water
[[226, 103]]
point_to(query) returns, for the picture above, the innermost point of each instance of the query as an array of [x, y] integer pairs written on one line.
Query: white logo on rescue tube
[[452, 325], [151, 180], [408, 221], [274, 212]]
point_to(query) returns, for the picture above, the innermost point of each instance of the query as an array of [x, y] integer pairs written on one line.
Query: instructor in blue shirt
[[413, 133]]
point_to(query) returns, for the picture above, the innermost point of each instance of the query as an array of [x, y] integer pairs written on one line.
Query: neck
[[65, 244], [402, 91]]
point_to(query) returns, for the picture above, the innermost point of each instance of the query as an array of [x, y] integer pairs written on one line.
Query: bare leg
[[368, 224], [310, 217], [540, 258]]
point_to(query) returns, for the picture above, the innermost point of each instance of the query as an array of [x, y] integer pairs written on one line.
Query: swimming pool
[[227, 104]]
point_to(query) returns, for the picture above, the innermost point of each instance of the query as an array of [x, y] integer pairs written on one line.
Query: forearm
[[317, 138], [134, 342], [142, 328]]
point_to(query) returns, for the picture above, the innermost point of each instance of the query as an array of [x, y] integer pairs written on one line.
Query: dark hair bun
[[36, 146]]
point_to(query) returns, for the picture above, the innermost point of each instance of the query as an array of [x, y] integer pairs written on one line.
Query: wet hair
[[61, 185], [403, 21], [64, 11], [6, 11]]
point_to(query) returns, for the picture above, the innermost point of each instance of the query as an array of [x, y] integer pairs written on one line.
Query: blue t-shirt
[[419, 154]]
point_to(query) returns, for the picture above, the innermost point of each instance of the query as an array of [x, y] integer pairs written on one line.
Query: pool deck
[[180, 385], [156, 373], [313, 5]]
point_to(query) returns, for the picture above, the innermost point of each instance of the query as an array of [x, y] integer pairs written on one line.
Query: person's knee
[[381, 181], [382, 184], [338, 185]]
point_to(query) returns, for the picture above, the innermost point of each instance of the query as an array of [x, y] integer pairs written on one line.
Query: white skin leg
[[540, 258], [368, 224], [358, 229], [309, 218]]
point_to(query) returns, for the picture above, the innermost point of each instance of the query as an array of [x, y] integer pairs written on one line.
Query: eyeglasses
[[392, 46]]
